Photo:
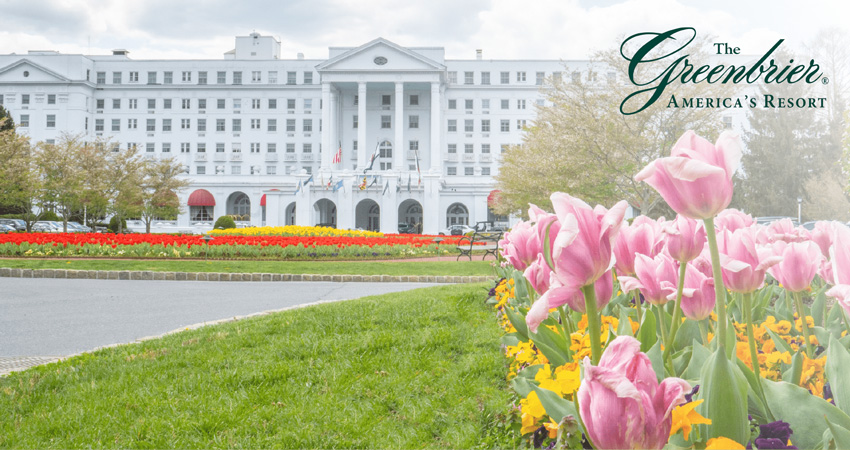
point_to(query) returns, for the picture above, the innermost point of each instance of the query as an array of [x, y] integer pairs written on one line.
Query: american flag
[[338, 156]]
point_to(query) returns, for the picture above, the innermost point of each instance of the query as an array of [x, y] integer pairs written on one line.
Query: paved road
[[52, 317]]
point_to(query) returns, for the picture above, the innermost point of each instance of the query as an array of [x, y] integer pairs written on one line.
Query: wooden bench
[[480, 240]]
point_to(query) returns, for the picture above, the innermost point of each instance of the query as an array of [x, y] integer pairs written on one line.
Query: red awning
[[494, 198], [201, 197], [263, 200]]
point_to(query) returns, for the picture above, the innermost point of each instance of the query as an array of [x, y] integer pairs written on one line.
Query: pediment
[[27, 71], [382, 55]]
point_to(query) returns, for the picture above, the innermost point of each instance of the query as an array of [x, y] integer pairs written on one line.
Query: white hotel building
[[252, 129]]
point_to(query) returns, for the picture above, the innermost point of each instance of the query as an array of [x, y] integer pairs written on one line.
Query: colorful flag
[[386, 186], [374, 157], [416, 153], [363, 184], [408, 182], [374, 181], [338, 186], [330, 181], [309, 180], [338, 156], [299, 187]]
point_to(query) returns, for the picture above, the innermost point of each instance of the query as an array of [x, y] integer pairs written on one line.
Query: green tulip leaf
[[699, 355], [522, 386], [803, 411], [657, 359], [624, 328], [837, 371], [779, 343], [518, 321], [840, 435], [725, 399], [556, 407], [686, 334], [647, 333]]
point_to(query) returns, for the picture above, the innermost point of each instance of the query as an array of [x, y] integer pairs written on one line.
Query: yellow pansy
[[684, 417], [723, 443]]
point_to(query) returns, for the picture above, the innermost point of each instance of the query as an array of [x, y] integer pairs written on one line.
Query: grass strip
[[418, 369], [461, 268]]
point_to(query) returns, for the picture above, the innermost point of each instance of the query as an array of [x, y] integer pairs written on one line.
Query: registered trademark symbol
[[824, 80]]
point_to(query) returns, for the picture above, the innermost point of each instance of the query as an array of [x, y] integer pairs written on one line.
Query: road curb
[[6, 272]]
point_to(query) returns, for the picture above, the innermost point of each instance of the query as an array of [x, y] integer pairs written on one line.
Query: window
[[272, 125], [308, 125], [538, 78], [308, 77], [469, 78], [308, 169], [151, 77], [167, 77], [290, 147], [414, 121], [414, 100], [505, 77], [520, 104], [202, 147], [51, 121], [166, 147], [187, 77], [219, 147], [485, 148], [236, 147], [485, 103], [307, 148], [520, 77], [255, 103], [237, 125], [354, 146], [132, 124], [185, 124], [485, 171], [99, 103], [150, 147], [485, 125], [166, 103], [467, 171], [290, 125], [452, 125], [237, 103], [101, 78], [221, 77], [356, 99], [485, 77], [308, 104], [452, 148], [134, 77], [271, 170], [291, 77], [98, 125], [220, 103], [576, 77], [468, 125], [354, 121], [186, 103], [505, 125], [133, 103], [116, 77], [151, 103], [25, 99], [25, 120], [413, 145], [116, 103], [271, 147], [219, 170], [272, 103], [202, 103], [256, 76], [166, 124], [201, 170], [520, 124], [131, 145], [452, 104], [185, 147], [272, 77], [386, 100], [727, 122], [116, 124], [540, 102], [451, 170], [237, 77], [219, 125], [386, 122], [51, 99], [468, 148], [255, 147], [452, 77], [202, 78], [236, 170], [290, 103], [255, 124]]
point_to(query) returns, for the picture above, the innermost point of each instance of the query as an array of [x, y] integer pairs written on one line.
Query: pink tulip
[[696, 180], [732, 219], [520, 246], [742, 263], [822, 235], [686, 238], [839, 255], [651, 273], [558, 295], [800, 262], [538, 274], [642, 237], [784, 230], [698, 295], [621, 402]]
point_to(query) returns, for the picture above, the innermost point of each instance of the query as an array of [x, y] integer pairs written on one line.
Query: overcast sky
[[509, 29]]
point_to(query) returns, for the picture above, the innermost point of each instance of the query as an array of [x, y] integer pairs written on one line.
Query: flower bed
[[687, 333], [293, 230]]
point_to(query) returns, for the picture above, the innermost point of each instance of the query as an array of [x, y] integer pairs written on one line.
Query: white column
[[436, 122], [362, 153], [389, 205], [431, 208], [326, 127], [303, 203], [399, 147], [273, 213], [333, 130]]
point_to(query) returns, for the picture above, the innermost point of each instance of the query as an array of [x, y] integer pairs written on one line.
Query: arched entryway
[[410, 212], [324, 213], [457, 214], [239, 207], [289, 217], [367, 215], [201, 206]]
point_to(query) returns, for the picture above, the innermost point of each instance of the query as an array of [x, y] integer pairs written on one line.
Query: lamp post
[[437, 241], [207, 240], [799, 210]]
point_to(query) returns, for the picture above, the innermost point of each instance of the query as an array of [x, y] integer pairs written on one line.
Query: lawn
[[446, 267], [420, 369]]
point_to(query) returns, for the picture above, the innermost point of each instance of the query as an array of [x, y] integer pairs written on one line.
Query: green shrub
[[224, 222], [113, 224], [11, 216], [50, 215]]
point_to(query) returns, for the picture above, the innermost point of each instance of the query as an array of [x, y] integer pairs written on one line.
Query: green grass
[[445, 267], [420, 369]]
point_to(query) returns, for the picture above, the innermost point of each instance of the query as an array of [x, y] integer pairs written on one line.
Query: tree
[[162, 182], [124, 177], [6, 121], [582, 144], [59, 168], [20, 182], [94, 196]]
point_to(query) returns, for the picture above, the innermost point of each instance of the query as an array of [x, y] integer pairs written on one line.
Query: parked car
[[76, 227], [18, 224], [767, 220], [406, 228], [810, 225], [457, 230], [43, 226], [7, 228]]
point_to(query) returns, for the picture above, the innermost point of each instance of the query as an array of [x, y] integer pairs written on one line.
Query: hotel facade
[[371, 137]]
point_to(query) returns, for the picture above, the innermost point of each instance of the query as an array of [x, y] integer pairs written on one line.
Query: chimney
[[300, 56], [120, 52], [478, 54]]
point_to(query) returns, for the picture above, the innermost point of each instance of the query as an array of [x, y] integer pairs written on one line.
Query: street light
[[437, 241], [207, 240], [799, 210]]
